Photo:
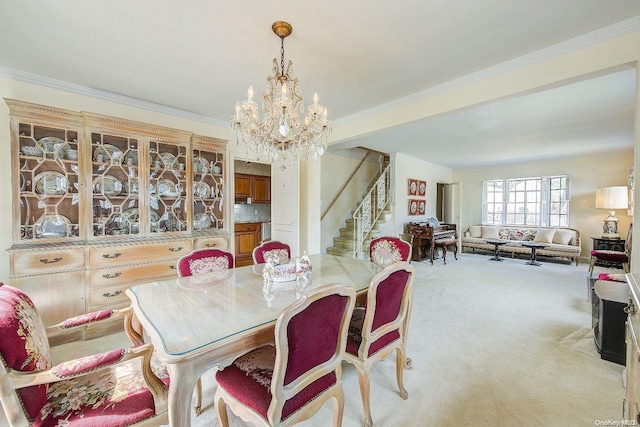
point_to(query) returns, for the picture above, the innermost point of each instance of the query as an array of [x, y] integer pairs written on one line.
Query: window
[[541, 201]]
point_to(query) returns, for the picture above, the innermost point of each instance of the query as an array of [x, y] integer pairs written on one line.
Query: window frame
[[543, 201]]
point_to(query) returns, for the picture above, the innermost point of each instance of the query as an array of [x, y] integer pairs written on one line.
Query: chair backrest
[[386, 250], [311, 336], [271, 248], [407, 237], [24, 346], [203, 261], [387, 309]]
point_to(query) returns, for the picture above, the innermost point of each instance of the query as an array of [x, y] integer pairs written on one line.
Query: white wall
[[587, 173], [410, 168]]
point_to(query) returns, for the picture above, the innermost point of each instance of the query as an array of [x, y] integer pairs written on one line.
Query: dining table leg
[[183, 381]]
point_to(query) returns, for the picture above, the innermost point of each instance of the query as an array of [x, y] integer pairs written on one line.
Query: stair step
[[342, 242], [347, 253]]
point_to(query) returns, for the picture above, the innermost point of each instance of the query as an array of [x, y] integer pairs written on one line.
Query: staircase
[[344, 245], [366, 220]]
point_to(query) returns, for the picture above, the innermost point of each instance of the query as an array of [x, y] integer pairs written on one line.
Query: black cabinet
[[609, 301], [608, 245]]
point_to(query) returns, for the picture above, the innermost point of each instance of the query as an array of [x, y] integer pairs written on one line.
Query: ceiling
[[196, 58]]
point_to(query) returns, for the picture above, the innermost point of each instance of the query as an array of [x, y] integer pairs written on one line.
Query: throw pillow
[[475, 231], [563, 237], [544, 235], [490, 232]]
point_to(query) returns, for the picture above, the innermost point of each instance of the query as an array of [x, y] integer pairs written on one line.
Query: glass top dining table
[[198, 322]]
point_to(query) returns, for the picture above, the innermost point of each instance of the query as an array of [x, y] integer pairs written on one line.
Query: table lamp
[[611, 198]]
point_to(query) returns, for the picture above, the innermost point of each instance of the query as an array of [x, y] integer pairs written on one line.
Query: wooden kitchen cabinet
[[261, 189], [248, 236], [243, 186], [256, 187], [100, 203]]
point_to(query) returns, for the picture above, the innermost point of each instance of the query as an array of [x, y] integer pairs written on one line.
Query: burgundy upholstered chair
[[289, 382], [614, 257], [203, 261], [386, 250], [115, 388], [271, 248], [381, 327]]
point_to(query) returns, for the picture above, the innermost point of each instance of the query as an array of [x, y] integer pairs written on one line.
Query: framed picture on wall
[[413, 206], [422, 188], [413, 187], [422, 207]]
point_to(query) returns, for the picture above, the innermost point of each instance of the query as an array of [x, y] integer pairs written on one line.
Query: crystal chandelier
[[280, 136]]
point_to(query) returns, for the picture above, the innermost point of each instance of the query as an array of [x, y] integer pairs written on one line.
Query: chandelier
[[280, 135]]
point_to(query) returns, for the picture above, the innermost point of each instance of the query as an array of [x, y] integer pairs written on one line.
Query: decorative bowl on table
[[275, 270]]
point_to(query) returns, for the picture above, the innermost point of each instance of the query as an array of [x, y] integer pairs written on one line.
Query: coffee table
[[496, 249], [534, 246]]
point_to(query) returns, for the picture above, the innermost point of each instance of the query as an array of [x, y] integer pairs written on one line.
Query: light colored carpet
[[492, 344]]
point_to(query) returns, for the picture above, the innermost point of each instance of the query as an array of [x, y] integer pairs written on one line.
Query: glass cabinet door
[[167, 187], [48, 191], [115, 166], [208, 190]]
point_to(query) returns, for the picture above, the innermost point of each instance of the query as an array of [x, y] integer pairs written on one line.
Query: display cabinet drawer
[[109, 295], [37, 262], [117, 255], [218, 242], [133, 273]]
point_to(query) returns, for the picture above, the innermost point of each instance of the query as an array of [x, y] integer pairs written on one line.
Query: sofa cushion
[[544, 235], [563, 237], [475, 231], [517, 234], [490, 232]]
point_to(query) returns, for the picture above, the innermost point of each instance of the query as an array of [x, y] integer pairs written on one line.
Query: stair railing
[[344, 186], [370, 209]]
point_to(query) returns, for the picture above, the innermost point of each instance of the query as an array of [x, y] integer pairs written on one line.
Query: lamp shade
[[612, 197]]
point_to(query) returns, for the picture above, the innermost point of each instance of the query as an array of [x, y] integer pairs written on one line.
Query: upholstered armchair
[[203, 261], [613, 257], [386, 250], [121, 387], [381, 327], [289, 382], [271, 248]]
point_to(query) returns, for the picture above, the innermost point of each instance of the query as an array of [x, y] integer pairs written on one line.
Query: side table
[[610, 300], [496, 248], [608, 245], [534, 246]]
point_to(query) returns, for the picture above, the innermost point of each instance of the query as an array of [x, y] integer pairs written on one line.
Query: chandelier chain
[[282, 57]]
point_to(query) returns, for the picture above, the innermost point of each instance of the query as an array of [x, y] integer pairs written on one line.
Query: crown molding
[[572, 45], [35, 79]]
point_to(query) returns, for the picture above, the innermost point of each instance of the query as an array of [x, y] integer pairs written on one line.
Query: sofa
[[561, 242]]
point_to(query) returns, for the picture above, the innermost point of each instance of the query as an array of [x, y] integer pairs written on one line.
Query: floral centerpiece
[[277, 270]]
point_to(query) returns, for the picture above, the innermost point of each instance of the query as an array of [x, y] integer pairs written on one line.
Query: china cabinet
[[100, 203]]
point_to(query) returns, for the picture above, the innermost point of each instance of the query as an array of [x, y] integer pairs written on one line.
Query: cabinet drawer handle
[[211, 245], [51, 261], [178, 249], [107, 256], [173, 267], [111, 276], [111, 295]]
